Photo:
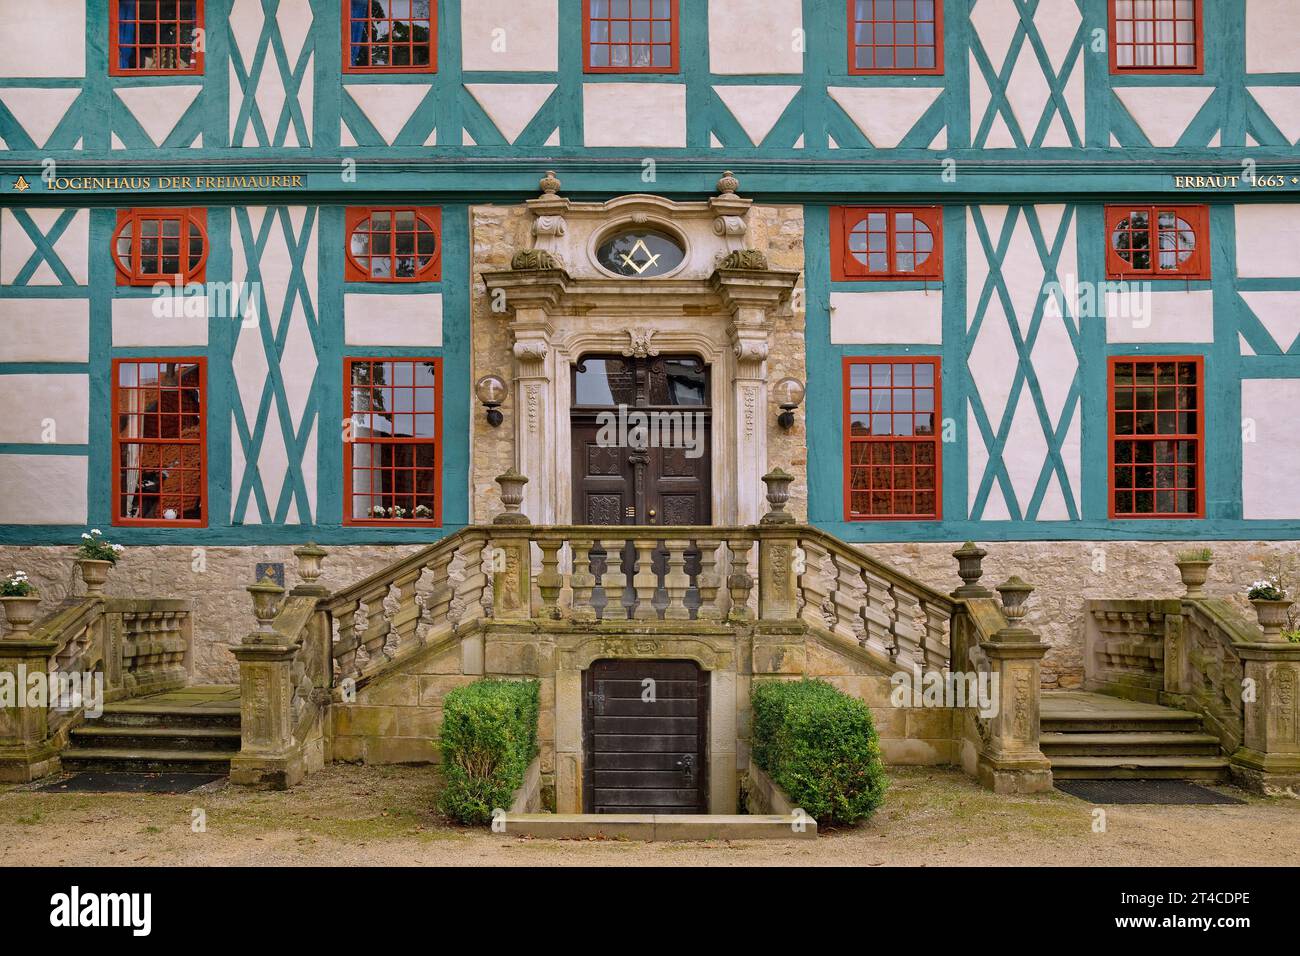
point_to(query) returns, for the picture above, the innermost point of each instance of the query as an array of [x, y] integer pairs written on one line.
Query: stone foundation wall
[[212, 579], [1064, 573], [1067, 573]]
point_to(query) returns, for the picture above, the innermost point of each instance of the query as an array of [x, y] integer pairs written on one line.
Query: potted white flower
[[1271, 607], [96, 556], [423, 512], [20, 599]]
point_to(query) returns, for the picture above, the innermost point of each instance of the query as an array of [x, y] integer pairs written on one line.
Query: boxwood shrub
[[819, 745], [489, 737]]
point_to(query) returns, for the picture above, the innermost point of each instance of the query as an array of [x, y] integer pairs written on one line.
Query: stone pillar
[[1011, 761], [568, 739], [267, 756], [535, 439], [25, 752], [1268, 761]]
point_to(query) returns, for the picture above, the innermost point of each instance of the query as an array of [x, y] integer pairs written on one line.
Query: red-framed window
[[1156, 36], [392, 453], [630, 36], [390, 36], [394, 244], [895, 36], [888, 242], [160, 245], [892, 456], [1158, 242], [159, 441], [1157, 437], [155, 37]]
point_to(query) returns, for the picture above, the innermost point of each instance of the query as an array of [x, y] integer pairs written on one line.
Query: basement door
[[645, 730]]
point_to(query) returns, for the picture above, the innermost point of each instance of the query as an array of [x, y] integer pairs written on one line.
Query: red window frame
[[845, 223], [1170, 406], [891, 444], [913, 23], [137, 218], [1117, 17], [1196, 266], [430, 67], [115, 27], [156, 420], [356, 272], [352, 440], [590, 33]]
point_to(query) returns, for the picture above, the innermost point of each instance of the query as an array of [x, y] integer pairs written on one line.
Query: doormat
[[89, 782], [1166, 792]]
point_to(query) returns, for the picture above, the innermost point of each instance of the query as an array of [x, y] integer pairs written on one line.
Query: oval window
[[640, 254]]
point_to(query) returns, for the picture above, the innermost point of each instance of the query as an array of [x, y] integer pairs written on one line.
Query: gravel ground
[[382, 816]]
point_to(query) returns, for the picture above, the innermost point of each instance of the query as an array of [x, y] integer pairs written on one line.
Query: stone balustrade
[[120, 647]]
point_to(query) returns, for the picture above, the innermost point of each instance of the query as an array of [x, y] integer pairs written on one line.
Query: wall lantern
[[492, 391], [789, 395]]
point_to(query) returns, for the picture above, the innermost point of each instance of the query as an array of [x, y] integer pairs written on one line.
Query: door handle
[[652, 514], [687, 767]]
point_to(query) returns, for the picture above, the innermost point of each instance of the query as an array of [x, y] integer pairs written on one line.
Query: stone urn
[[20, 611], [778, 482], [95, 573], [1194, 573], [512, 496], [1272, 617]]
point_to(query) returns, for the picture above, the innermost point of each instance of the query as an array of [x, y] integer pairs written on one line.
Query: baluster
[[936, 646], [907, 636], [740, 582], [848, 600], [441, 591], [550, 581], [877, 610], [676, 581], [467, 602], [582, 581], [645, 581], [346, 643], [707, 581], [406, 619], [376, 627], [815, 585], [614, 580]]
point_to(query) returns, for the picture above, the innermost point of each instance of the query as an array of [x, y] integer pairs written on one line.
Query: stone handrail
[[422, 598], [602, 573], [1124, 646], [1204, 670], [118, 647], [1203, 655]]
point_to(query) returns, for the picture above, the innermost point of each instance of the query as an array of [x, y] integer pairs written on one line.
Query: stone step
[[97, 736], [110, 760], [144, 714], [658, 826], [1148, 721], [1139, 768], [1129, 744]]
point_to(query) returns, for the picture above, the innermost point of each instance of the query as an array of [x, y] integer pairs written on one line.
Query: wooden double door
[[646, 726], [641, 430]]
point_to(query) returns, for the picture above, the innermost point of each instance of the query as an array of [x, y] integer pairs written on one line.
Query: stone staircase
[[192, 730], [1095, 737]]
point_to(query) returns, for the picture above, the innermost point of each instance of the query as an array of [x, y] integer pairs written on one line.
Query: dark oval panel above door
[[640, 253]]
